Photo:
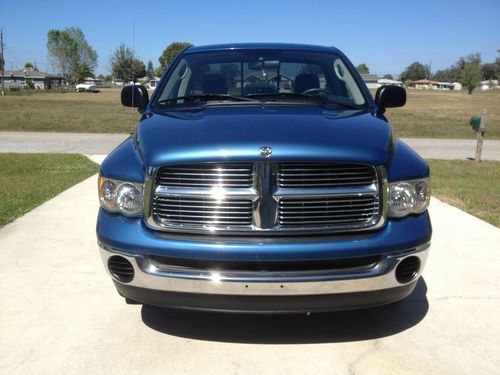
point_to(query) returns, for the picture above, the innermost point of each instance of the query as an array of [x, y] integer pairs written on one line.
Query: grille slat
[[206, 175]]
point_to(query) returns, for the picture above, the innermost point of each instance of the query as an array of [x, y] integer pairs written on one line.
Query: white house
[[487, 85], [152, 83], [371, 80]]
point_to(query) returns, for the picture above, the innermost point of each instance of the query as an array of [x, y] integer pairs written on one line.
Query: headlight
[[121, 196], [409, 197]]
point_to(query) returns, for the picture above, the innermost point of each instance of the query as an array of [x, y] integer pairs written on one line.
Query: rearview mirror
[[264, 64], [390, 96], [135, 96]]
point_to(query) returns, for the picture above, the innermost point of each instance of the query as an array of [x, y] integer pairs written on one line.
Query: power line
[[13, 56]]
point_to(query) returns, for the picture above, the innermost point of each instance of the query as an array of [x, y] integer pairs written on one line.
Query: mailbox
[[475, 122]]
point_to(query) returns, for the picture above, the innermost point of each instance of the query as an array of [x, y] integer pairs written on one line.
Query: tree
[[69, 51], [473, 58], [28, 65], [159, 71], [471, 75], [171, 51], [446, 75], [150, 71], [490, 71], [125, 66], [388, 76], [82, 72], [454, 72], [415, 71], [363, 69]]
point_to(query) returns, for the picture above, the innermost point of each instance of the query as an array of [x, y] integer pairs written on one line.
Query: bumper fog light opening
[[407, 269], [121, 268]]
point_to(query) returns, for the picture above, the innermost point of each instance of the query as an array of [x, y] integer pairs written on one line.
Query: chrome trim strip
[[324, 192], [216, 193], [182, 279]]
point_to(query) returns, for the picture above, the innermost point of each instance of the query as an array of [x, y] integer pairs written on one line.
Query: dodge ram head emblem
[[266, 151]]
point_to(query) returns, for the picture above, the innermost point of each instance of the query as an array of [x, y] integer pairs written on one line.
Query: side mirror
[[135, 96], [390, 96]]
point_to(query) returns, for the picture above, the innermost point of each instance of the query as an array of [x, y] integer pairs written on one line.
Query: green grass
[[474, 188], [428, 113], [28, 180]]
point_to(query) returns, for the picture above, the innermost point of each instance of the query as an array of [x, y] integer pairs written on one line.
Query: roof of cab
[[239, 46]]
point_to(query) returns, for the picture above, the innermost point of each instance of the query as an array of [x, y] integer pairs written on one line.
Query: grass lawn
[[82, 112], [445, 114], [28, 180], [428, 113], [468, 186]]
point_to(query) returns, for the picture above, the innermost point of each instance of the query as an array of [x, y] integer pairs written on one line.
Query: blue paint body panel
[[406, 164], [124, 163], [236, 132], [131, 234], [260, 46]]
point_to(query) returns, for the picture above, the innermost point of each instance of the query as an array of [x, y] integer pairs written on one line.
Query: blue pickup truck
[[263, 178]]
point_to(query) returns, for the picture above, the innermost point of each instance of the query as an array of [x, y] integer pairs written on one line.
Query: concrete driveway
[[60, 313]]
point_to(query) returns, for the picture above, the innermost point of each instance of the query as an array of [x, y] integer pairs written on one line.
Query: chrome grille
[[266, 197], [203, 211], [206, 175], [327, 211], [308, 175]]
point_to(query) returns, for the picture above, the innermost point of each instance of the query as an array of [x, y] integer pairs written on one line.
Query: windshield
[[259, 75]]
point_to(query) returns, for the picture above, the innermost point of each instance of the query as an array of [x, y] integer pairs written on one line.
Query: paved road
[[61, 314], [82, 143]]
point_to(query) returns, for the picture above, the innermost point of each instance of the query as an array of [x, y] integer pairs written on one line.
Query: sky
[[385, 35]]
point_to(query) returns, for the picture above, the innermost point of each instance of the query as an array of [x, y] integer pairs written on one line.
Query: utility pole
[[2, 60]]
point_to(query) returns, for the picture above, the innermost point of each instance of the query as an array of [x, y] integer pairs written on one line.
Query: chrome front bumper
[[259, 283]]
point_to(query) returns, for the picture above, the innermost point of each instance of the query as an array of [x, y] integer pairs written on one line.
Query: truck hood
[[236, 133]]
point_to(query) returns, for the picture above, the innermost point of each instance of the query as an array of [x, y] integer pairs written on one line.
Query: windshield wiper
[[206, 98], [298, 95]]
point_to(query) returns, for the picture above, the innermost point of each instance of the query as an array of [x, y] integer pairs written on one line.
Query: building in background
[[488, 85], [371, 80], [389, 82], [29, 78]]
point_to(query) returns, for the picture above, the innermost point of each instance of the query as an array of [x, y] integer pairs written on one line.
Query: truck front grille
[[206, 175], [309, 175], [267, 197], [331, 210]]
